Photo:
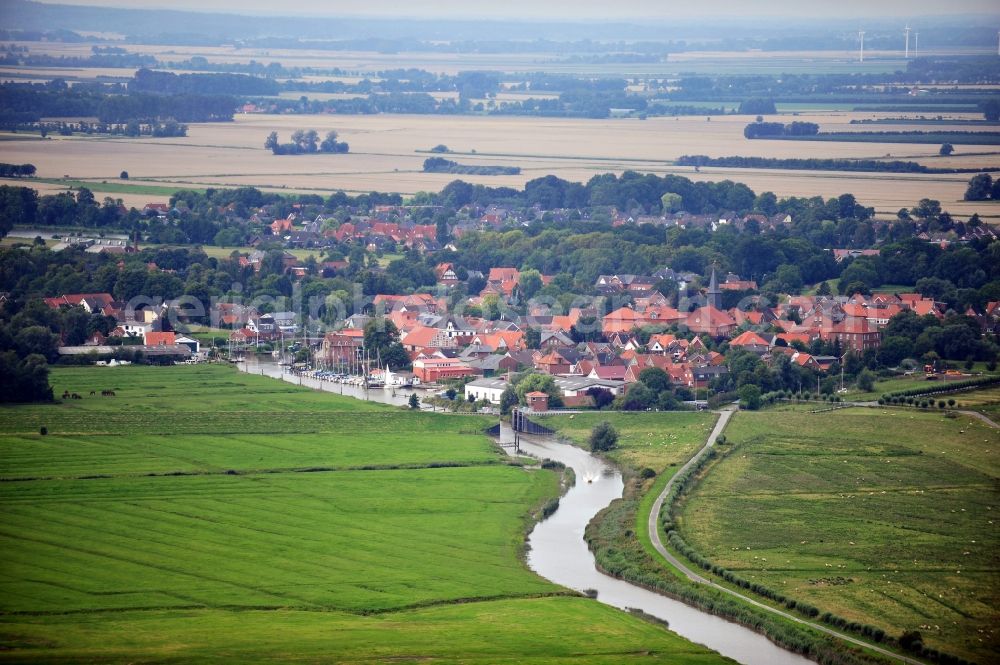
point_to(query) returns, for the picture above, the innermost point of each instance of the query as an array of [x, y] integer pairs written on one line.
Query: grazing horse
[[93, 392], [65, 395], [107, 393], [76, 396]]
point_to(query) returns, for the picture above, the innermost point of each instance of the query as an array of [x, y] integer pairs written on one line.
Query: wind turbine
[[906, 31], [861, 53]]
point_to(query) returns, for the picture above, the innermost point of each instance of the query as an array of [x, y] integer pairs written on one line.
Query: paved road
[[654, 536]]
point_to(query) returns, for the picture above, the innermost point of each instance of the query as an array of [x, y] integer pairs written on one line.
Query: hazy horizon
[[567, 10]]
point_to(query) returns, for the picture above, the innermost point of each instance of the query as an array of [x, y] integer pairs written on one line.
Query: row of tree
[[813, 164], [760, 129], [306, 141], [17, 170], [24, 103], [168, 83]]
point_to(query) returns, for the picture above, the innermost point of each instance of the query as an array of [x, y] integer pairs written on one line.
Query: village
[[584, 351]]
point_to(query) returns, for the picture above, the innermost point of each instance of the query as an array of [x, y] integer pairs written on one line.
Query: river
[[558, 551]]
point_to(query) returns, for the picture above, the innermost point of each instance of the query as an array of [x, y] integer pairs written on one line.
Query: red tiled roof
[[159, 339], [749, 338]]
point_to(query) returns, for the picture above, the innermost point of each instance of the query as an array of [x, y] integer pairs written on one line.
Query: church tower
[[713, 293]]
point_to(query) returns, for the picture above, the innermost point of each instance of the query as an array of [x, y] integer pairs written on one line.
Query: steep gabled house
[[553, 363], [752, 342], [422, 339], [710, 321]]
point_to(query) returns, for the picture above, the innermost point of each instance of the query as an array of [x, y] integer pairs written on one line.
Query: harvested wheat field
[[387, 153]]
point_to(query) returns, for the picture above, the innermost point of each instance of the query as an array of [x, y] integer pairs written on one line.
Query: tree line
[[28, 103], [761, 129], [306, 141], [17, 170], [131, 128], [813, 164], [168, 83], [576, 251]]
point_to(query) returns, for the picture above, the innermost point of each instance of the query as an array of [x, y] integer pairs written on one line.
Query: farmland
[[881, 517], [206, 514], [360, 63], [385, 156]]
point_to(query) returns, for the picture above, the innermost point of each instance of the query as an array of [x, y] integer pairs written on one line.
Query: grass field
[[882, 517], [985, 401], [654, 440], [203, 514], [884, 386]]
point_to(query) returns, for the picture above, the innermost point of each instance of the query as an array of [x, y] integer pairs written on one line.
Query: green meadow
[[205, 515], [655, 440], [885, 517]]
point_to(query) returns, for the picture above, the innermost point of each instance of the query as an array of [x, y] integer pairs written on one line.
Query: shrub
[[43, 430], [647, 473], [912, 640], [603, 437], [749, 397], [866, 380], [550, 507]]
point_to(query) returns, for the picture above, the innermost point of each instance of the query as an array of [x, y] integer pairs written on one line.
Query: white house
[[488, 389], [189, 342]]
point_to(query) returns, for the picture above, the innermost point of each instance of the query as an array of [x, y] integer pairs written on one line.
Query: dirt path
[[986, 419]]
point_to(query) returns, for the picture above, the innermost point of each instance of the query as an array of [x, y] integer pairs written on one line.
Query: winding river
[[559, 553]]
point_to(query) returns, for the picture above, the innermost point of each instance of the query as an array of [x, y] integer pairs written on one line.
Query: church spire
[[714, 294]]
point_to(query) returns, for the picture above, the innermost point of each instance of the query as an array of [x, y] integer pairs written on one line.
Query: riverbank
[[558, 552], [626, 540]]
